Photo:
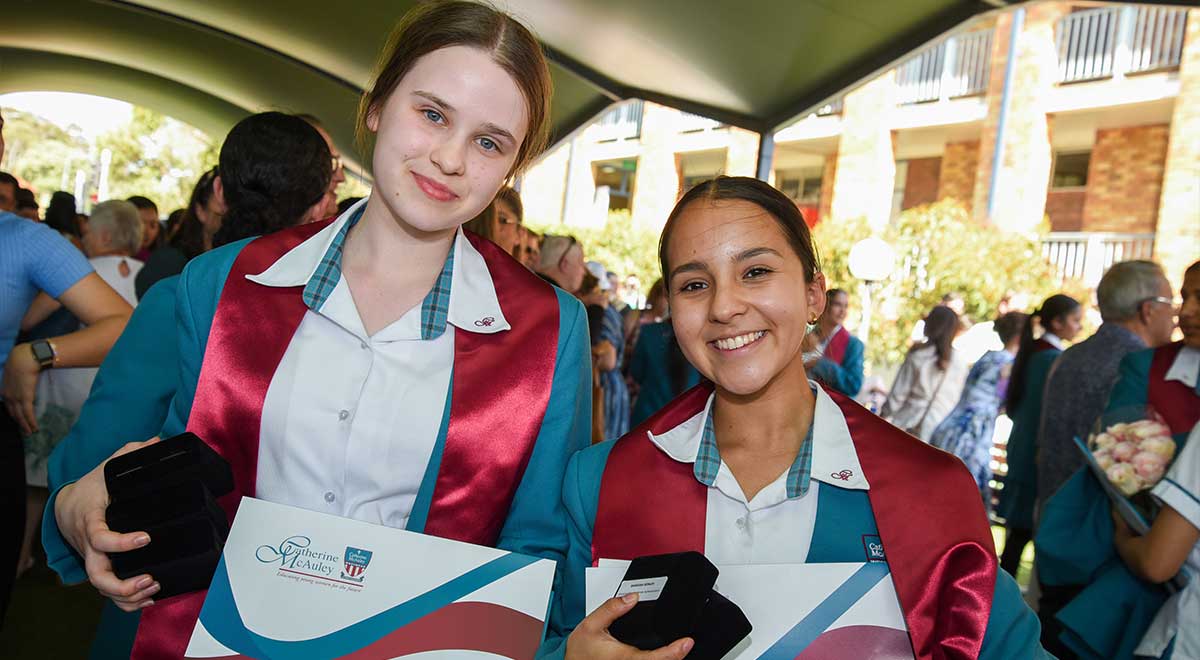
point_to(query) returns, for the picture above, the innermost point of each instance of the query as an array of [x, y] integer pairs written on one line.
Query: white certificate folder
[[800, 611], [299, 584]]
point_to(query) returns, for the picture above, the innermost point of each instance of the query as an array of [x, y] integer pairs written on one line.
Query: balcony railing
[[622, 122], [954, 67], [1113, 41], [1086, 255], [689, 123]]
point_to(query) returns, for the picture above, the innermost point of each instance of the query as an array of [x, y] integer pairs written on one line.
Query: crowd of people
[[716, 414]]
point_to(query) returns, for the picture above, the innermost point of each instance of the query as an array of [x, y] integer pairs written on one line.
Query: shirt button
[[363, 345], [330, 497], [741, 524], [343, 415]]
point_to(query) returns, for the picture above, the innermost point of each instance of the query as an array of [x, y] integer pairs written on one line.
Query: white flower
[[1104, 441], [1162, 445], [1124, 477], [1149, 466], [1104, 459]]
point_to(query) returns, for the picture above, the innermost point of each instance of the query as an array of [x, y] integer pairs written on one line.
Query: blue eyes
[[485, 143]]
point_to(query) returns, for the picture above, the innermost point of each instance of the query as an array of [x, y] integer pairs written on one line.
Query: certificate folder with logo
[[798, 611], [299, 584]]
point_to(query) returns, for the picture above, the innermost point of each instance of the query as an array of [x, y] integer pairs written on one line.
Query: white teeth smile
[[734, 343]]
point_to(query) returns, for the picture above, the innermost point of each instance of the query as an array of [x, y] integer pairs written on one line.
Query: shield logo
[[355, 562]]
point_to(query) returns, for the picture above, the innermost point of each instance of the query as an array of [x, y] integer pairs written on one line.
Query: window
[[802, 185], [698, 166], [1070, 170], [614, 179]]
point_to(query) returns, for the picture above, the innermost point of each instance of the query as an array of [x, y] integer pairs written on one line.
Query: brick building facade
[[1098, 136]]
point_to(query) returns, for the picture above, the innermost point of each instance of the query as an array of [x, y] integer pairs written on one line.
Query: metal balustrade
[[622, 122], [1105, 42], [954, 67], [1086, 255]]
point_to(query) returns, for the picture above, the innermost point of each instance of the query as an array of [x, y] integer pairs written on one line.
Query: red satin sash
[[1176, 402], [836, 349], [926, 506], [500, 388]]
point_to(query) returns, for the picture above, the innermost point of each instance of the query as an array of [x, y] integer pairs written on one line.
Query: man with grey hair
[[561, 262], [1136, 305]]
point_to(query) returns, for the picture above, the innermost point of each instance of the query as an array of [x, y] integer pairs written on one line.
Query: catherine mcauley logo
[[295, 556]]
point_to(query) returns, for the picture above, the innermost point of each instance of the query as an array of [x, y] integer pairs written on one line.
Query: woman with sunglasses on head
[[760, 465], [360, 322]]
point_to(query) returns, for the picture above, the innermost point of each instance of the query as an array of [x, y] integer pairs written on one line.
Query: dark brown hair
[[747, 189], [436, 25], [1057, 306], [940, 327]]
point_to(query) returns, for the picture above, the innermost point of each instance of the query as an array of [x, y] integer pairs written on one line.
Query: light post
[[872, 260]]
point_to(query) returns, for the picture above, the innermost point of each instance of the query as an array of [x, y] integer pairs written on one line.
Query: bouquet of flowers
[[1130, 450]]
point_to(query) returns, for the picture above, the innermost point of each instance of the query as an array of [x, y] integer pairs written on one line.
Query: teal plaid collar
[[708, 460], [435, 308]]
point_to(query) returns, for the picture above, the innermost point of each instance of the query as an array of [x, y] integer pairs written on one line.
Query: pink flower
[[1124, 477], [1123, 451], [1149, 466], [1104, 459]]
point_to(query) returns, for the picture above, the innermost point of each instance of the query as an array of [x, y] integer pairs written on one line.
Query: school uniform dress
[[664, 488], [456, 420], [841, 363], [1017, 499], [1111, 609]]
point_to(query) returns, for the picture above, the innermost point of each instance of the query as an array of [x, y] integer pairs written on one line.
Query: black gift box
[[676, 599], [169, 490]]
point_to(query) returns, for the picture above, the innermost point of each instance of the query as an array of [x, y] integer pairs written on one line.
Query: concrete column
[[866, 165], [1178, 235], [1023, 172]]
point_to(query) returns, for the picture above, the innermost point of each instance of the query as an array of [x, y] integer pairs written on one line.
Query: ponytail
[[1055, 307]]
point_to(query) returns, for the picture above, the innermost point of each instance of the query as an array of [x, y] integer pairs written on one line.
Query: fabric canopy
[[750, 63]]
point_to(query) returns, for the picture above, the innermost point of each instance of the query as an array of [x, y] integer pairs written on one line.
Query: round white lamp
[[872, 260]]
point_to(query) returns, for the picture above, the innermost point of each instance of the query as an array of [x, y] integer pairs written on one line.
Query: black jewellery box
[[675, 600], [169, 490]]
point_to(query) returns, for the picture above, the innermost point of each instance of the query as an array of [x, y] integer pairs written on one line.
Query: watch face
[[42, 351]]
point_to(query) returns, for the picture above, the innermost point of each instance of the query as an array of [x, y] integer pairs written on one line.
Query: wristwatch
[[43, 352]]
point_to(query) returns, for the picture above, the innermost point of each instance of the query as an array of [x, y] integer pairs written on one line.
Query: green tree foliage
[[939, 250], [157, 157], [41, 153], [152, 155]]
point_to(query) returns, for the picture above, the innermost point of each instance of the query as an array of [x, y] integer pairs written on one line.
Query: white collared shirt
[[1186, 367], [770, 528], [350, 420], [1053, 339]]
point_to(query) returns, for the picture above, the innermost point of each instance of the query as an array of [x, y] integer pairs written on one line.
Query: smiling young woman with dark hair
[[761, 465]]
